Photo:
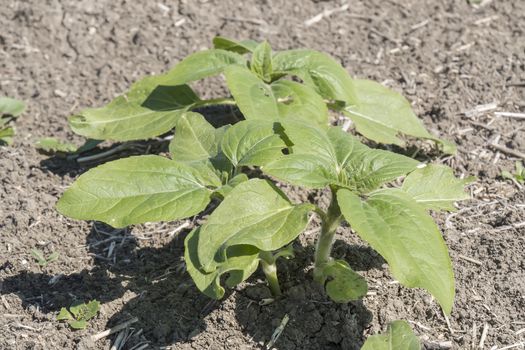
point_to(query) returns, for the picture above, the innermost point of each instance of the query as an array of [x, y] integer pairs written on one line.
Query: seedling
[[287, 136], [41, 259], [398, 335], [9, 110], [79, 314], [518, 176]]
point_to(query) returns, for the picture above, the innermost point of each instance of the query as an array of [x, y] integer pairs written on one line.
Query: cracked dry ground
[[447, 57]]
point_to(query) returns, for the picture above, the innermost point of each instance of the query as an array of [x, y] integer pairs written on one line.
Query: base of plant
[[270, 271], [330, 221]]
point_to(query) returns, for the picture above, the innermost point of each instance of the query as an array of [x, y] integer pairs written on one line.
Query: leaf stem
[[214, 102], [330, 222], [270, 271]]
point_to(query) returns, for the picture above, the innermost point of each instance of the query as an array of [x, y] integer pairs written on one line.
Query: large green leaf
[[197, 143], [399, 336], [241, 263], [381, 114], [147, 110], [254, 213], [280, 100], [203, 64], [261, 63], [435, 187], [320, 158], [241, 47], [136, 190], [252, 142], [299, 102], [195, 139], [406, 236], [344, 284], [319, 70], [10, 106]]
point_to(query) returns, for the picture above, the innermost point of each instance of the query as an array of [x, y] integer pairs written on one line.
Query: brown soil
[[446, 56]]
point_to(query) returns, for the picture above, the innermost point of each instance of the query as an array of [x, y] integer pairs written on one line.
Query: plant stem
[[330, 222], [105, 154], [214, 102], [270, 271]]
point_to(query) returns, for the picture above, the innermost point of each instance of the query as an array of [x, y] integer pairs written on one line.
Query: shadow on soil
[[170, 309]]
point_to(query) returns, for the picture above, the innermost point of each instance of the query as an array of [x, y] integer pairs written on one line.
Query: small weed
[[41, 259], [518, 176], [79, 314]]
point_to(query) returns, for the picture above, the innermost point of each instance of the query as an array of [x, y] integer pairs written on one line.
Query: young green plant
[[79, 314], [518, 176], [41, 258], [9, 109], [287, 137]]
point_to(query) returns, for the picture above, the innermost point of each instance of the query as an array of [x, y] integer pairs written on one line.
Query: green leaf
[[52, 257], [149, 109], [51, 144], [253, 96], [6, 135], [381, 114], [435, 187], [345, 284], [197, 143], [320, 158], [240, 47], [79, 314], [225, 190], [280, 100], [195, 139], [518, 176], [91, 309], [41, 259], [81, 324], [318, 70], [203, 64], [242, 261], [83, 311], [39, 256], [261, 63], [255, 213], [399, 336], [406, 236], [138, 189], [64, 315], [12, 107], [252, 142], [300, 102]]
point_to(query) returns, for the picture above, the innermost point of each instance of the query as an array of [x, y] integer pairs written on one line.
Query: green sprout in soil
[[518, 176], [41, 258], [398, 335], [285, 137], [79, 314], [10, 109]]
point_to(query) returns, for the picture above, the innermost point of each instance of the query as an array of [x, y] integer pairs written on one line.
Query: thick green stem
[[330, 223], [270, 271], [214, 102]]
